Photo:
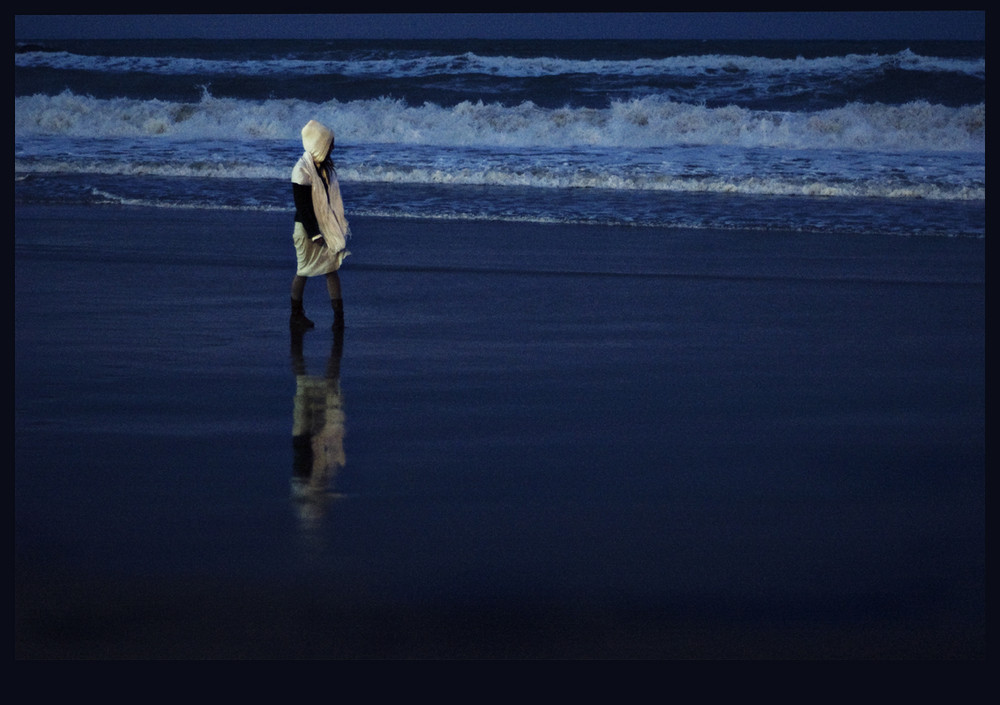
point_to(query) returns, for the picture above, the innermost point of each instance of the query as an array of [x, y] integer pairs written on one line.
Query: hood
[[317, 139]]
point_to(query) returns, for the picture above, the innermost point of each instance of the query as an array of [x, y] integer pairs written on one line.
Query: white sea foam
[[641, 123]]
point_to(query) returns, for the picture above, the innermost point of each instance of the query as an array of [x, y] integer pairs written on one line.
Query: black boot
[[338, 313], [298, 318]]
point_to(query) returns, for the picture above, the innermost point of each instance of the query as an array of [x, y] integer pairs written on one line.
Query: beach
[[548, 441]]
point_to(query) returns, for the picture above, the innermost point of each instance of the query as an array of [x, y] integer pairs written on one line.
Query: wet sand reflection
[[317, 431]]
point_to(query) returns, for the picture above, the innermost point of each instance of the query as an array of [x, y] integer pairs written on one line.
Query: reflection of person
[[317, 429], [321, 230]]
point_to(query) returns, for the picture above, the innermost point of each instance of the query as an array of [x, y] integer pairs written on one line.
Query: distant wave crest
[[407, 65]]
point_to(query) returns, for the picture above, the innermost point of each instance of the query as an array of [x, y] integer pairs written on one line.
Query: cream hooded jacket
[[317, 139]]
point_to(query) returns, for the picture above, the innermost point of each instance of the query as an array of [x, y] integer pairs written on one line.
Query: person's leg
[[336, 299], [298, 318], [333, 285]]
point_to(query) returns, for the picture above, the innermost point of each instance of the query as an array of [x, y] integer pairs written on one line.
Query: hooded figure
[[321, 230]]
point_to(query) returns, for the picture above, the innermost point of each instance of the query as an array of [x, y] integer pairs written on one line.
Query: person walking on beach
[[321, 230]]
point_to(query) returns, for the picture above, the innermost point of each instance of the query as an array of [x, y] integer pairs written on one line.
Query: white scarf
[[328, 206]]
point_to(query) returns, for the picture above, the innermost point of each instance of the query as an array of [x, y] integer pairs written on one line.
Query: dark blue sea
[[813, 137]]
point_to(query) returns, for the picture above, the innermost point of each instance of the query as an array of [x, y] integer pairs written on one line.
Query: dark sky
[[665, 25]]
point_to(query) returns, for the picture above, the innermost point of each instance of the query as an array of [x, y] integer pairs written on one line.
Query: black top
[[304, 212]]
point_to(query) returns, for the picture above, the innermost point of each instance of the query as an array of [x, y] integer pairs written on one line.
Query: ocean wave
[[553, 175], [410, 65], [771, 185], [639, 123]]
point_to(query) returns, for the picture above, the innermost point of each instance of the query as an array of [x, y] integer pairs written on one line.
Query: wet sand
[[530, 442]]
